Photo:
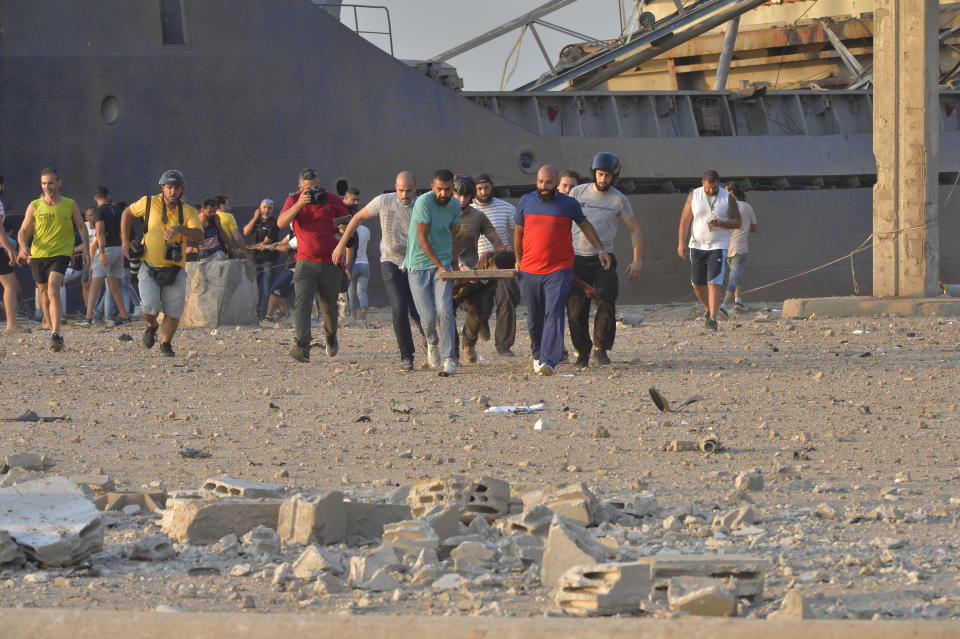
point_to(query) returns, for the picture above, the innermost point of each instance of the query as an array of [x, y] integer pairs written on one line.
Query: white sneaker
[[433, 355], [536, 365], [449, 367], [546, 370]]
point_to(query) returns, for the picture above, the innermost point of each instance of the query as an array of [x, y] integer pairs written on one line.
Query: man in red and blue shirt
[[543, 240]]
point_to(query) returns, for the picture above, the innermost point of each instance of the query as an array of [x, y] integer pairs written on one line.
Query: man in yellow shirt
[[229, 225], [163, 282], [46, 242]]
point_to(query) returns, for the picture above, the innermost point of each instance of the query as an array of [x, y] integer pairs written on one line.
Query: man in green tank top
[[46, 243]]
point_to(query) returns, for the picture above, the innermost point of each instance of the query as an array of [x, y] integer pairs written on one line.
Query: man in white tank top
[[708, 217]]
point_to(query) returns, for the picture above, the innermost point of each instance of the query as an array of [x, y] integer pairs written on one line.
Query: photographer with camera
[[314, 215], [262, 227], [169, 223]]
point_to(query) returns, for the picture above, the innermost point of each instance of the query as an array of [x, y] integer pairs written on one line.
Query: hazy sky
[[425, 28]]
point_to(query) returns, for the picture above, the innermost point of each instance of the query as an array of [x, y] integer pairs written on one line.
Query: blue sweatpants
[[546, 300]]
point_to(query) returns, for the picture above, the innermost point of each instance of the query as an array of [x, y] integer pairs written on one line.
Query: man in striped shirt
[[507, 294]]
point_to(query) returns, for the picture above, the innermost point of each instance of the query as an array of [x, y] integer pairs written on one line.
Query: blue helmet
[[173, 177], [604, 161]]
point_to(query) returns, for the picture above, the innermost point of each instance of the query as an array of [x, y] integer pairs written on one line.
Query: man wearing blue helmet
[[605, 207]]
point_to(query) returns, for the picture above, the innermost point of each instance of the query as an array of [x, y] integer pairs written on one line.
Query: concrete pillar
[[906, 144]]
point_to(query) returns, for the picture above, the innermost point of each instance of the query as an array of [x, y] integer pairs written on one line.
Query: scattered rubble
[[604, 589]]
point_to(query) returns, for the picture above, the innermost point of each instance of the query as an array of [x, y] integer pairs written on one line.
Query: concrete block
[[794, 607], [367, 520], [445, 521], [9, 550], [604, 589], [220, 293], [744, 574], [568, 545], [573, 501], [526, 547], [442, 491], [701, 596], [488, 497], [472, 555], [242, 488], [29, 461], [532, 521], [206, 521], [153, 548], [636, 505], [736, 518], [316, 560], [749, 480], [149, 500], [318, 518], [52, 520], [411, 537], [869, 306], [381, 581], [261, 543], [450, 581]]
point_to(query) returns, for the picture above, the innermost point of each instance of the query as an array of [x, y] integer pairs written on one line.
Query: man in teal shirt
[[434, 222]]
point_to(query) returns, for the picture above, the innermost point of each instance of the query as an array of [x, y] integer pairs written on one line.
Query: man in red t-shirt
[[312, 212]]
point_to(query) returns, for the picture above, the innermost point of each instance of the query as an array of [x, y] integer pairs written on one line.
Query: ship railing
[[356, 19]]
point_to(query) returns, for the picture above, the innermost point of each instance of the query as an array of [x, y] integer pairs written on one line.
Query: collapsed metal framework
[[652, 39]]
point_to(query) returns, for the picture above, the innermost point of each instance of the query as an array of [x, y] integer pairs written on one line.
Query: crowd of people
[[559, 239]]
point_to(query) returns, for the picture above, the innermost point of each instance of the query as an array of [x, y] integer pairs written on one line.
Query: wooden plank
[[483, 274]]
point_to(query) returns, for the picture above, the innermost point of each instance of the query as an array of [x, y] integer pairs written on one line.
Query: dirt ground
[[852, 413]]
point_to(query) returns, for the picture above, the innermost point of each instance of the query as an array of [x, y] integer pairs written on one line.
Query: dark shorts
[[283, 285], [43, 266], [5, 268], [708, 267]]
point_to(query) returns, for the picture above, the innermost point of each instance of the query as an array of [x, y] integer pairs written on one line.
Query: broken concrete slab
[[316, 560], [367, 520], [29, 461], [532, 521], [736, 518], [604, 589], [744, 573], [568, 545], [149, 500], [635, 505], [703, 596], [233, 487], [18, 475], [445, 521], [328, 584], [411, 537], [206, 521], [526, 547], [153, 548], [261, 543], [364, 567], [473, 555], [794, 607], [52, 520], [317, 518], [220, 293], [98, 484], [751, 480], [574, 501], [488, 497], [454, 490], [9, 550]]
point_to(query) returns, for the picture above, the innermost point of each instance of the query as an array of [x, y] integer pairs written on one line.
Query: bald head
[[548, 179], [406, 186]]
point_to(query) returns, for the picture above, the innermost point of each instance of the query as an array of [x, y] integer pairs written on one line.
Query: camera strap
[[162, 210]]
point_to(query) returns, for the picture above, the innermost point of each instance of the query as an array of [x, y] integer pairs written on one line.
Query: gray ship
[[241, 94]]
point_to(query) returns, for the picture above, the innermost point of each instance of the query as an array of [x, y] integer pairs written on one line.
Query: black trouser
[[401, 306], [605, 282], [475, 300], [506, 296]]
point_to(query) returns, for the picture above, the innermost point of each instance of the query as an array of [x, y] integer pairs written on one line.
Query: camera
[[343, 221], [136, 253], [173, 252], [318, 195]]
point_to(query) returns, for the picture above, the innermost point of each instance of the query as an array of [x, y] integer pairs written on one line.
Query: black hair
[[443, 175], [711, 176], [570, 173], [102, 192], [354, 191], [220, 200], [209, 202], [49, 170], [738, 192]]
